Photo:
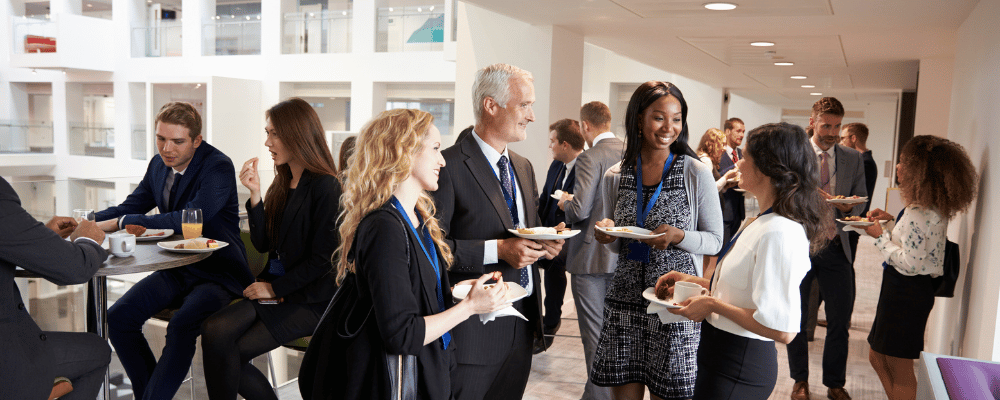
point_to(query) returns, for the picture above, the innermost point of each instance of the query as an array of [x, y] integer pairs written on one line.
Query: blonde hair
[[383, 158], [711, 145]]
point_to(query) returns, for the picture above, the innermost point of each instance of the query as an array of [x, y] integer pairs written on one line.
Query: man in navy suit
[[733, 204], [566, 143], [187, 173], [841, 172]]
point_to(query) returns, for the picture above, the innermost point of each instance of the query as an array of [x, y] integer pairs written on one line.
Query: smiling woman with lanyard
[[754, 298], [662, 186]]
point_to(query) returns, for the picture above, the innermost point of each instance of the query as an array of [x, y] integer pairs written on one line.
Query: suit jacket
[[471, 209], [589, 205], [395, 274], [733, 202], [26, 367], [307, 238], [850, 182], [209, 183], [871, 176], [548, 207]]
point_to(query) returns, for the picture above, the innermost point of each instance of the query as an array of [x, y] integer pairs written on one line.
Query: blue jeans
[[196, 299]]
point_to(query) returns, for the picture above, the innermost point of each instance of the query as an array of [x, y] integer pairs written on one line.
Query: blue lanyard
[[427, 245], [642, 209], [729, 246]]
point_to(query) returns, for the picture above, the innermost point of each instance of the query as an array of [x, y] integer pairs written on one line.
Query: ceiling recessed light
[[808, 86], [432, 8], [390, 9], [798, 77], [720, 6], [90, 5], [784, 63], [344, 13], [762, 44], [419, 9], [816, 94]]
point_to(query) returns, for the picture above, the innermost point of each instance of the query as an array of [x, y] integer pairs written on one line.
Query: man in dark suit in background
[[733, 203], [187, 173], [484, 190], [566, 143], [855, 136], [841, 172], [590, 264], [32, 358]]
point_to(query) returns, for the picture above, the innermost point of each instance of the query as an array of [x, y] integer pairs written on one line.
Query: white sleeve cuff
[[87, 239], [490, 252]]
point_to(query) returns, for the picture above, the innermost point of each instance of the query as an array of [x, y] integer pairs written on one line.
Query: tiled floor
[[560, 372]]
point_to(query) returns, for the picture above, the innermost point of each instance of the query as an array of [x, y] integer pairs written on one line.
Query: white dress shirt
[[569, 167], [605, 135], [490, 246]]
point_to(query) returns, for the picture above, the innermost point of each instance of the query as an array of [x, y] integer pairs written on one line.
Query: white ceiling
[[857, 50]]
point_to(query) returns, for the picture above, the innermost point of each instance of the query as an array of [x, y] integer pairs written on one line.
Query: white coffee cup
[[121, 244], [686, 290]]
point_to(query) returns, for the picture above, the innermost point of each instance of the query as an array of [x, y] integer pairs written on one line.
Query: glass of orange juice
[[191, 221]]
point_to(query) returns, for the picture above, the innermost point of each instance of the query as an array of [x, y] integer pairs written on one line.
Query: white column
[[74, 7], [363, 29], [194, 14], [270, 27]]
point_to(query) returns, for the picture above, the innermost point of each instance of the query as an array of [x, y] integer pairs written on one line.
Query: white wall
[[975, 101], [933, 96], [752, 113]]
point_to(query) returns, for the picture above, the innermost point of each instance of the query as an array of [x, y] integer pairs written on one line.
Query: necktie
[[509, 195], [171, 189], [824, 171], [735, 156], [560, 179]]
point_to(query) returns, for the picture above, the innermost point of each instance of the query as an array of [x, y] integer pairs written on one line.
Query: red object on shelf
[[39, 44]]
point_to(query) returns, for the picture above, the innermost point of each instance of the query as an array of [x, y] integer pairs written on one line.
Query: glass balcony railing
[[18, 137], [95, 141], [161, 41], [414, 28], [34, 35], [226, 36], [312, 33]]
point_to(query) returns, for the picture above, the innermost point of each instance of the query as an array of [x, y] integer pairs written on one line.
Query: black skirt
[[734, 367], [288, 321], [901, 315]]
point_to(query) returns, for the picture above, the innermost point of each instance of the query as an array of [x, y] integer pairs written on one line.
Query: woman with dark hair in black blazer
[[297, 225], [394, 245]]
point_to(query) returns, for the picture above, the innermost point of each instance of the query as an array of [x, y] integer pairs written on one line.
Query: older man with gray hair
[[484, 190]]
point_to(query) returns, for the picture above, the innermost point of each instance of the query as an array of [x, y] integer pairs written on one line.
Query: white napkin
[[509, 311], [665, 316]]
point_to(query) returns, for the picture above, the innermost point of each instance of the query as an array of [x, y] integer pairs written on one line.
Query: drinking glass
[[81, 214], [191, 222]]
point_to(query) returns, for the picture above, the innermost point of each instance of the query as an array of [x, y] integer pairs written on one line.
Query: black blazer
[[27, 364], [307, 239], [395, 274], [548, 207], [471, 209], [871, 177], [733, 206], [209, 183]]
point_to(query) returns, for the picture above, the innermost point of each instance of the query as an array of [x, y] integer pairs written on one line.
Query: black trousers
[[555, 289], [834, 274], [81, 357], [505, 379], [734, 367]]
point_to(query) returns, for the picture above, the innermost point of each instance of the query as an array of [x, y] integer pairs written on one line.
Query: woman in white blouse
[[936, 180], [754, 298]]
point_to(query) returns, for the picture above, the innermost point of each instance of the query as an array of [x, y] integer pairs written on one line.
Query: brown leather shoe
[[837, 394], [800, 390]]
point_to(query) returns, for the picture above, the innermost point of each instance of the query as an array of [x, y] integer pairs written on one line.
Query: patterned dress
[[635, 346]]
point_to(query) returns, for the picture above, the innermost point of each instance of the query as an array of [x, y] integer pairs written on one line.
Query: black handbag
[[345, 317], [945, 284]]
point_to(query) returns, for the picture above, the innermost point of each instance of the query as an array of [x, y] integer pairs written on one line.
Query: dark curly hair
[[938, 174], [782, 152], [644, 96]]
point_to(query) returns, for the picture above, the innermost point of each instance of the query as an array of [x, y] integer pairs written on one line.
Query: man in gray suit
[[32, 358], [590, 264], [841, 172]]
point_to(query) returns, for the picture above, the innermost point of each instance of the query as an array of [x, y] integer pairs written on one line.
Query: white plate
[[545, 236], [740, 190], [514, 292], [637, 232], [855, 223], [650, 294], [147, 236], [557, 194], [858, 200], [169, 246]]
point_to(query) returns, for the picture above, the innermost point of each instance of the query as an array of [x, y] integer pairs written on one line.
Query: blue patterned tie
[[510, 196]]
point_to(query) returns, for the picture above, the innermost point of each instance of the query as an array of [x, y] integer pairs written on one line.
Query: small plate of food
[[558, 194], [143, 234], [514, 291], [544, 233], [856, 221], [631, 232], [667, 300], [841, 199], [197, 245]]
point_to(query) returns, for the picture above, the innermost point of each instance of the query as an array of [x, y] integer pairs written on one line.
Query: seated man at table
[[187, 173], [32, 359]]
